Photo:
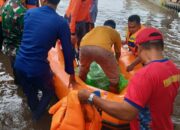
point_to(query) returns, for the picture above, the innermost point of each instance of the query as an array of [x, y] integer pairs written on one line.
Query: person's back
[[155, 94], [102, 36], [148, 102], [41, 32], [97, 46], [42, 28], [165, 92]]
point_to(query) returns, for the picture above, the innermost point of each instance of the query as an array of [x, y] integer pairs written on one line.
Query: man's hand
[[130, 68], [73, 39], [83, 95], [118, 56], [133, 64], [72, 81]]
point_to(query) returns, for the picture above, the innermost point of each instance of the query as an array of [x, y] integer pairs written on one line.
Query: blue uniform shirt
[[42, 27]]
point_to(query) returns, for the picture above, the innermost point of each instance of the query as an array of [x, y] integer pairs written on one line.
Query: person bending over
[[97, 46]]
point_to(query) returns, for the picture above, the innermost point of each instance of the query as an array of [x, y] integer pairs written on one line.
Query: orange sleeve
[[1, 3], [74, 13]]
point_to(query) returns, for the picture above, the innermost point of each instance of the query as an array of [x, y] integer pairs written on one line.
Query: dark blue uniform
[[42, 27]]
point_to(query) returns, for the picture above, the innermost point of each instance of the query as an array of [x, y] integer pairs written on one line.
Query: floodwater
[[14, 112]]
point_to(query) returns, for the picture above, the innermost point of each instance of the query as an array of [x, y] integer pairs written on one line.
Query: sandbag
[[97, 78]]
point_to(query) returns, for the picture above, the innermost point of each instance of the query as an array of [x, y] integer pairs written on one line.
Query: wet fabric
[[69, 114], [103, 36], [40, 34], [31, 86], [93, 11], [155, 87], [12, 25], [104, 58]]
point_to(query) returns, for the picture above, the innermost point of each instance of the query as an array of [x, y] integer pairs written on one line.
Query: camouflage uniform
[[1, 37], [12, 26]]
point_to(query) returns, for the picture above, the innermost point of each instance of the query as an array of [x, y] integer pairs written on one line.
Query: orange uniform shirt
[[77, 11]]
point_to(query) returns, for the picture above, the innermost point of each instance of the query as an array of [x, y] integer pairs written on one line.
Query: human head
[[134, 23], [149, 38], [53, 2], [110, 23]]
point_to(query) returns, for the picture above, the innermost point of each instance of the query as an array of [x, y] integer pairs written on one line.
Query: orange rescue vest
[[130, 40]]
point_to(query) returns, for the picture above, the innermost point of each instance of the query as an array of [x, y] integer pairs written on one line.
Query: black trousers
[[31, 86]]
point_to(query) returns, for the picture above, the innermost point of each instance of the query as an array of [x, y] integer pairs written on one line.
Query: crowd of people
[[27, 44], [28, 34]]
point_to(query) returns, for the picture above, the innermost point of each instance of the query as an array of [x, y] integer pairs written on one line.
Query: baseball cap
[[148, 34]]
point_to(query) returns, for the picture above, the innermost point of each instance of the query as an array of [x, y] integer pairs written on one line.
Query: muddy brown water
[[14, 112]]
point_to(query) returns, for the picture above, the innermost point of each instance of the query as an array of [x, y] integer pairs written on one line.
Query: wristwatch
[[90, 99]]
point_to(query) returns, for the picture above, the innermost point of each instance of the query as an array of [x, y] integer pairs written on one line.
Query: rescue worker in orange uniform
[[79, 14], [134, 27]]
